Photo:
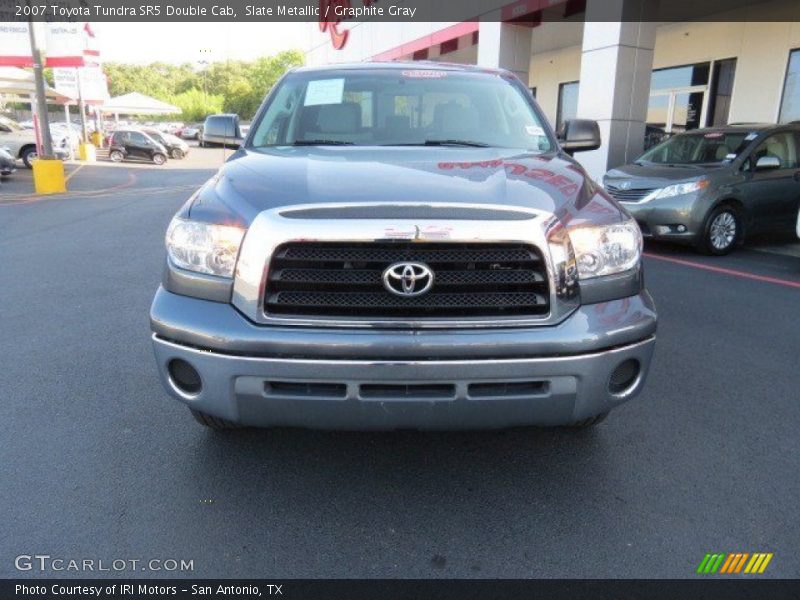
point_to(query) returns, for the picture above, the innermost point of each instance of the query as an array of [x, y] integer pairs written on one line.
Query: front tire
[[29, 154], [159, 159], [722, 231], [213, 422]]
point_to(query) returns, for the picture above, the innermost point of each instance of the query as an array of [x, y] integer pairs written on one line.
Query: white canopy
[[138, 104], [18, 83]]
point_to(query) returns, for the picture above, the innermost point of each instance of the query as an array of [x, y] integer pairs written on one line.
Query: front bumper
[[389, 379], [674, 219]]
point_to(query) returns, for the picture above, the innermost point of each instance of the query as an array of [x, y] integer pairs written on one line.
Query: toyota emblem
[[408, 279]]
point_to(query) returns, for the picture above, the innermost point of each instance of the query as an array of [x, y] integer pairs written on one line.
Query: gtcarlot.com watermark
[[45, 563]]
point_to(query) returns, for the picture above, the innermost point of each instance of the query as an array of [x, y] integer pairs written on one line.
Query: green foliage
[[231, 86], [196, 104]]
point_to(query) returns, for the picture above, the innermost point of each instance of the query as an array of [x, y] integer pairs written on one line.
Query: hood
[[253, 181], [648, 176]]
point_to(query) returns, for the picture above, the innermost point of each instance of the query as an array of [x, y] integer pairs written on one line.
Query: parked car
[[132, 143], [21, 143], [376, 256], [221, 130], [7, 163], [176, 147], [190, 132], [712, 187]]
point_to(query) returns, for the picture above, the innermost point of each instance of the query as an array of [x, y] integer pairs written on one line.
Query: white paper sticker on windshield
[[324, 91], [751, 136], [534, 130]]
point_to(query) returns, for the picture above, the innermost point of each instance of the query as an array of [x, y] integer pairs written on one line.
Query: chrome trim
[[271, 229], [367, 364]]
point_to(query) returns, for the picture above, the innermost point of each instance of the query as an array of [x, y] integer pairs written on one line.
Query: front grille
[[631, 195], [331, 279]]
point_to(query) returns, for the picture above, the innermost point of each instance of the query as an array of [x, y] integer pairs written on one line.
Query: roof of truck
[[399, 65]]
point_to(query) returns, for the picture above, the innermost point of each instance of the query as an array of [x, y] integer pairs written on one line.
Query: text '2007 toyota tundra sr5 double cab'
[[403, 246]]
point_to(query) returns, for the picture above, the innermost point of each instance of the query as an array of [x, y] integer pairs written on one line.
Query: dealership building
[[644, 69]]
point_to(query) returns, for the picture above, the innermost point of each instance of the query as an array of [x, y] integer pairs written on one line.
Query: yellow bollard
[[86, 152], [48, 176], [97, 139]]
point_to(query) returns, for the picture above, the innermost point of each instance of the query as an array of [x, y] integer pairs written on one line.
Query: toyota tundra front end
[[403, 247]]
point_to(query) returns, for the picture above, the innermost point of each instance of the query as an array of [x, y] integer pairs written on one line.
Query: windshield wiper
[[322, 143], [469, 143]]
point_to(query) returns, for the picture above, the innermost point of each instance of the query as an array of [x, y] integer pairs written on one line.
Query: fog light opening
[[624, 377], [184, 377]]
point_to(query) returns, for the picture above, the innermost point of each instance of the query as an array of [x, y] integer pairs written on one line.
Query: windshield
[[400, 108], [697, 148]]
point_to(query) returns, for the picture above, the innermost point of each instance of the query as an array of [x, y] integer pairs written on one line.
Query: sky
[[192, 42]]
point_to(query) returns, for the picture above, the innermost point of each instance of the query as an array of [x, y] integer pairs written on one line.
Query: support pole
[[82, 108], [41, 98]]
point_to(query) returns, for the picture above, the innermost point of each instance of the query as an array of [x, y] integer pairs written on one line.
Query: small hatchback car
[[711, 187], [398, 245], [133, 144]]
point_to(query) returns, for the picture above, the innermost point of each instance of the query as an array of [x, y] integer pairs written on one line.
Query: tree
[[195, 104], [232, 86]]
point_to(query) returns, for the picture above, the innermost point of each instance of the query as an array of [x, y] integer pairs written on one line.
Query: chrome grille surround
[[276, 227]]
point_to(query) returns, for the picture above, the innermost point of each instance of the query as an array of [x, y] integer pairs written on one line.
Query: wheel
[[116, 156], [29, 154], [586, 423], [213, 422], [159, 159], [721, 232], [177, 153]]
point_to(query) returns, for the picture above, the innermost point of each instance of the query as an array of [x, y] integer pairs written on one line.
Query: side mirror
[[768, 163], [579, 135]]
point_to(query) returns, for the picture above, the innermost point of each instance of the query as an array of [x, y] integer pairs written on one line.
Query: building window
[[567, 103], [677, 101], [790, 104], [421, 54], [448, 46]]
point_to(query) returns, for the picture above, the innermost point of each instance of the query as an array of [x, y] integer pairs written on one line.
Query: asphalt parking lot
[[99, 463]]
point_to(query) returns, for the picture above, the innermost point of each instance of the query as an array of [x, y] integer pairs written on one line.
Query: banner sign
[[91, 51], [64, 44], [15, 45], [92, 80]]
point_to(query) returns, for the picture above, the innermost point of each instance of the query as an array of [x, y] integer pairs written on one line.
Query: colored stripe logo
[[734, 562]]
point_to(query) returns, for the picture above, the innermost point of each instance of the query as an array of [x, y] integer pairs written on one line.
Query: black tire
[[159, 159], [213, 422], [722, 231], [28, 154], [116, 156], [177, 153], [586, 423]]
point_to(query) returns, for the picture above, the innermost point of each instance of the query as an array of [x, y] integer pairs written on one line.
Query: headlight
[[682, 188], [604, 250], [203, 247]]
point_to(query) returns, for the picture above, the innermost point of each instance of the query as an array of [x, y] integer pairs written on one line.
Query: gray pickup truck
[[403, 245]]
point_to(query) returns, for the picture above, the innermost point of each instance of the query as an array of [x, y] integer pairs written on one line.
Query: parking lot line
[[75, 170], [724, 271]]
